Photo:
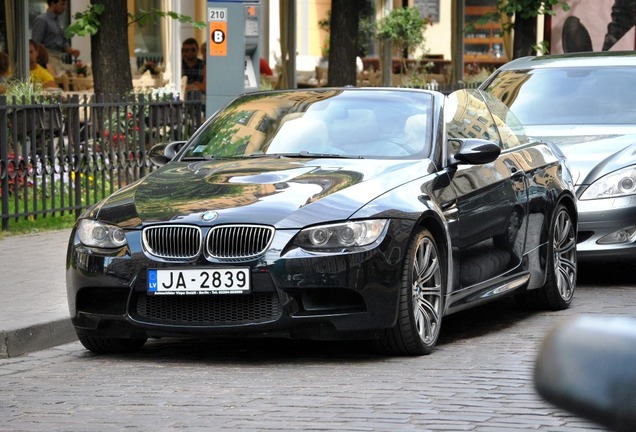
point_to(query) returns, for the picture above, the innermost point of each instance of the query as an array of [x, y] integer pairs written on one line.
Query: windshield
[[325, 123], [569, 96]]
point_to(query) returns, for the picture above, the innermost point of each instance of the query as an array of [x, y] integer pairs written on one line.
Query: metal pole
[[387, 54], [22, 40], [291, 44], [4, 151], [175, 44], [264, 36]]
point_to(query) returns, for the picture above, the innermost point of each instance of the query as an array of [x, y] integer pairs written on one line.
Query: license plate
[[199, 281]]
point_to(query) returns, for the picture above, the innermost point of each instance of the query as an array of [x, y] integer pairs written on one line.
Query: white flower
[[167, 92]]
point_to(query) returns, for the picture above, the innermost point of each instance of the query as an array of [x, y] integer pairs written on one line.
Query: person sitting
[[43, 59], [192, 66], [37, 73], [5, 71]]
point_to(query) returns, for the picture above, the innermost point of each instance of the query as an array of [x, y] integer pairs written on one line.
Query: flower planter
[[35, 119]]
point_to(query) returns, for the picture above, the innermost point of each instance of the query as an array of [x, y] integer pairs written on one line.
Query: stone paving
[[33, 307], [480, 378]]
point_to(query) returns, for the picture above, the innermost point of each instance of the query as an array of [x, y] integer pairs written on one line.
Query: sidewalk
[[33, 308]]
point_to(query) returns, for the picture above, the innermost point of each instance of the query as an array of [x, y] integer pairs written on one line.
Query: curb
[[37, 337]]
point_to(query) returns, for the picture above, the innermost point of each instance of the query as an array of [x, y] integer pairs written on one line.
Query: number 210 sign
[[217, 17]]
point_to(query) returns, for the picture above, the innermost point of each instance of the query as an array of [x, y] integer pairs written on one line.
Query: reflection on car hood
[[592, 151], [288, 193]]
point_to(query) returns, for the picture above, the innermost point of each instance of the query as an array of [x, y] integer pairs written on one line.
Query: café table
[[74, 83]]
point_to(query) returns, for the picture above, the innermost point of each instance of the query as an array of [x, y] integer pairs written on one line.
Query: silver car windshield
[[569, 96], [334, 123]]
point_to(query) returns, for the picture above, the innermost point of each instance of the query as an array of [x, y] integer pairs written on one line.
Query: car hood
[[285, 192], [592, 151]]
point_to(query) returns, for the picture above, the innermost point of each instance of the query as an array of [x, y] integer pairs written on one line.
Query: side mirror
[[163, 153], [587, 365], [473, 151]]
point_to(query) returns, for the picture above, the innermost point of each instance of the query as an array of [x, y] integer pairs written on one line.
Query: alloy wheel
[[427, 291], [564, 258]]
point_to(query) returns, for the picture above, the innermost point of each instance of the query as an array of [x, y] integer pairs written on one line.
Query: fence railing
[[61, 154]]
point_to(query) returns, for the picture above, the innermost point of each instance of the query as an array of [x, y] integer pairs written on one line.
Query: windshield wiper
[[263, 155], [306, 154], [197, 158]]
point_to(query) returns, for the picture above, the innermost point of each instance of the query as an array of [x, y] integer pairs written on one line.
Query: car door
[[491, 200]]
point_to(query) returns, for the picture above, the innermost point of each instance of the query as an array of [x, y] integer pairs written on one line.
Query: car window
[[467, 116], [354, 123], [511, 130], [576, 95], [474, 114]]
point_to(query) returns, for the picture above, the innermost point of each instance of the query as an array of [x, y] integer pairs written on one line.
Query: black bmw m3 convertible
[[327, 214]]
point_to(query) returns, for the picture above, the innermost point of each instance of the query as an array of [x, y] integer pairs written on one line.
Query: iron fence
[[61, 154]]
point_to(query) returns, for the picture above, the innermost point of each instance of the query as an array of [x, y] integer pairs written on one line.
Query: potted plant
[[34, 111], [404, 28]]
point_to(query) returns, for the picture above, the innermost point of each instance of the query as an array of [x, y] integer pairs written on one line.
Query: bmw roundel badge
[[209, 216]]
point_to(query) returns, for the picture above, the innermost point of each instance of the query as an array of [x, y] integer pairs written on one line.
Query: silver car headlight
[[341, 235], [613, 185], [98, 234]]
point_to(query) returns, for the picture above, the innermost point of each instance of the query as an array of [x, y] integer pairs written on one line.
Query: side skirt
[[486, 291]]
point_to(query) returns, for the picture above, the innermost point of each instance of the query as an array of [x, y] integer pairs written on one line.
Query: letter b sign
[[218, 38]]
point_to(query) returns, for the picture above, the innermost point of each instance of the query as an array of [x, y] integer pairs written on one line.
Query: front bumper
[[598, 219], [294, 293]]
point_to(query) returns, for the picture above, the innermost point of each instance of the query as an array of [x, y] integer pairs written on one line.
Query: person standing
[[192, 66], [47, 30]]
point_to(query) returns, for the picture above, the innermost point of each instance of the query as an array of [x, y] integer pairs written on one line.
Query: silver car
[[586, 104]]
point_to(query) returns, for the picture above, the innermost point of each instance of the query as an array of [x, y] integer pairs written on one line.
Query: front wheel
[[421, 300]]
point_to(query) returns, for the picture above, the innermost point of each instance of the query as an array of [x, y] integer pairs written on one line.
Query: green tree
[[107, 21], [404, 27], [522, 17], [366, 28], [343, 41]]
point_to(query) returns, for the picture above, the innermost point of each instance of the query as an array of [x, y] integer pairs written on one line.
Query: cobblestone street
[[478, 379]]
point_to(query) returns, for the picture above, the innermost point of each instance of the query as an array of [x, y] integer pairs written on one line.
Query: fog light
[[623, 235]]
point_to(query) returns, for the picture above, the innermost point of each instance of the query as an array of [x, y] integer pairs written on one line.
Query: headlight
[[616, 184], [98, 234], [341, 235]]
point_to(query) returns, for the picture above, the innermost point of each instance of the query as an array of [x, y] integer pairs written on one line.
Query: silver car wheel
[[560, 277], [427, 291], [564, 254], [421, 302]]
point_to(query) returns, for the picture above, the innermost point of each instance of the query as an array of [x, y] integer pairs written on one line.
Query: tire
[[421, 302], [103, 345], [558, 290]]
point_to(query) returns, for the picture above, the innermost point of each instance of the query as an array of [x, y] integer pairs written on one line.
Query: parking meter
[[233, 51]]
